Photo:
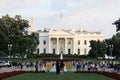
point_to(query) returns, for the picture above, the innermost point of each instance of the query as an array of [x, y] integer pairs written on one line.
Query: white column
[[49, 45], [66, 46], [58, 46], [73, 50]]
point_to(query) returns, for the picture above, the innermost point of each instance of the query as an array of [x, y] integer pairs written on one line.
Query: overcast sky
[[91, 15]]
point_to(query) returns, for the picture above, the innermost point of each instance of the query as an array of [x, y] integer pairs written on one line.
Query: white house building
[[66, 41]]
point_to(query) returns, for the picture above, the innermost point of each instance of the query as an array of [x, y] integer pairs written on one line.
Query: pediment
[[61, 33]]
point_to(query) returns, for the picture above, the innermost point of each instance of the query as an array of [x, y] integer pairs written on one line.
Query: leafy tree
[[115, 41], [108, 42], [117, 23], [98, 49], [13, 30], [30, 42], [116, 45]]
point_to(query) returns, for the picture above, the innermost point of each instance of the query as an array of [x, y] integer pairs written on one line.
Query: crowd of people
[[40, 66], [112, 66], [37, 66]]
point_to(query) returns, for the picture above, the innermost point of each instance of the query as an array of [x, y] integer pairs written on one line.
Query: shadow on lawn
[[113, 75], [13, 73]]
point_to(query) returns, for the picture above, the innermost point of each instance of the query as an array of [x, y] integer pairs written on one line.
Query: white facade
[[66, 41]]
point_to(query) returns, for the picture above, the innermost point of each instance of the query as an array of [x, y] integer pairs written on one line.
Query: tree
[[115, 41], [116, 44], [98, 49], [13, 30], [3, 35], [30, 43], [117, 23], [108, 42]]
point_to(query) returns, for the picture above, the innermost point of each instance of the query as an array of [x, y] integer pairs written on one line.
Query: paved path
[[14, 68]]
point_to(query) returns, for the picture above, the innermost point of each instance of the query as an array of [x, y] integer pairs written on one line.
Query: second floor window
[[78, 42], [85, 42], [69, 42]]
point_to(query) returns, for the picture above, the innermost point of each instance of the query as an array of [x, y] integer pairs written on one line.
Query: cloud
[[90, 14]]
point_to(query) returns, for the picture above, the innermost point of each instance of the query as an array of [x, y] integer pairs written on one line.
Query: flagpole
[[61, 16]]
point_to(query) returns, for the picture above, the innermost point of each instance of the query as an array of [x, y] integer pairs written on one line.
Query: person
[[41, 66], [36, 67], [61, 67], [78, 66], [21, 65], [57, 68]]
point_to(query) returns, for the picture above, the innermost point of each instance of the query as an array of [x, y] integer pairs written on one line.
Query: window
[[85, 42], [61, 42], [37, 51], [44, 50], [53, 51], [69, 51], [69, 42], [53, 42], [78, 42], [44, 42], [78, 51]]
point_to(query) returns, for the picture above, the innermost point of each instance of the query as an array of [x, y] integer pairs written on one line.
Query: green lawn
[[53, 76]]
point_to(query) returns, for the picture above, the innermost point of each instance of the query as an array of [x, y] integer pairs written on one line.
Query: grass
[[53, 76]]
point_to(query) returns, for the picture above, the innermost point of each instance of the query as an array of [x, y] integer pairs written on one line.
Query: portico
[[61, 44]]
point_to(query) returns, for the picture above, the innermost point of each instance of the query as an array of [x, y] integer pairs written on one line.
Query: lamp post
[[111, 49], [9, 49]]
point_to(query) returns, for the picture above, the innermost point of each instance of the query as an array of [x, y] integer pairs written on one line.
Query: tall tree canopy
[[117, 23], [98, 49], [115, 41], [116, 45], [13, 30], [108, 42]]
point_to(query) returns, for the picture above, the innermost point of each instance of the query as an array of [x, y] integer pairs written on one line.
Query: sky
[[90, 15]]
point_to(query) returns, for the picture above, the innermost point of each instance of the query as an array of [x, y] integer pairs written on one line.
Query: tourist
[[21, 65], [41, 66], [36, 67], [78, 66], [57, 68], [61, 67]]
